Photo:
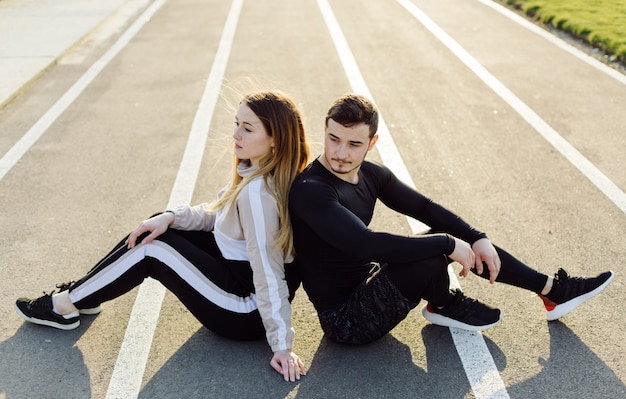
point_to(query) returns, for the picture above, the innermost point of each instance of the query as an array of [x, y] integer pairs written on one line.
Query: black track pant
[[218, 292], [378, 304], [428, 279]]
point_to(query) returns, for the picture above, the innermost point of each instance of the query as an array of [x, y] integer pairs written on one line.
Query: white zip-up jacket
[[246, 231]]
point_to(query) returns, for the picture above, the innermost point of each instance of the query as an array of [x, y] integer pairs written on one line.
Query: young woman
[[227, 261]]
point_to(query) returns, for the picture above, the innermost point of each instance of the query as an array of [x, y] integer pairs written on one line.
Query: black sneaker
[[568, 293], [88, 311], [464, 312], [39, 311]]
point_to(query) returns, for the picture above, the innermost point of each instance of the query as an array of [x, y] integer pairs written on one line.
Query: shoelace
[[460, 305], [64, 286], [43, 302], [565, 286], [561, 275]]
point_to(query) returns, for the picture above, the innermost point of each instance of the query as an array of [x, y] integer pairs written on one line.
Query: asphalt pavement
[[35, 35], [466, 134]]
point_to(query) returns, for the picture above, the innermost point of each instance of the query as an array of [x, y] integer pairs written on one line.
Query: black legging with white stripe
[[217, 291]]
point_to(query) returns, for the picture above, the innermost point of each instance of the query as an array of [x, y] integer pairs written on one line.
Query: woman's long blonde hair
[[282, 121]]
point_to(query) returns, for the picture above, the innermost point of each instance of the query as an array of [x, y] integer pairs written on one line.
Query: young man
[[363, 283]]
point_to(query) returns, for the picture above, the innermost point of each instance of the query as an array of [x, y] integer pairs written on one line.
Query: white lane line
[[385, 144], [131, 362], [562, 44], [589, 170], [479, 366], [41, 126]]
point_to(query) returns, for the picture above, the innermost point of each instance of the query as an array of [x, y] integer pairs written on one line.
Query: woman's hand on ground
[[288, 364]]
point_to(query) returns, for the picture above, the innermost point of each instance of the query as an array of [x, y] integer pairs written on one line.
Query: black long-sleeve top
[[333, 243]]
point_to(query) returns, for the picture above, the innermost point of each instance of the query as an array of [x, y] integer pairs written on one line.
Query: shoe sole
[[444, 321], [90, 311], [48, 323], [562, 309]]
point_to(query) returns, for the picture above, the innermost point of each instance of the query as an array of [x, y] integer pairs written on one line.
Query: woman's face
[[251, 140]]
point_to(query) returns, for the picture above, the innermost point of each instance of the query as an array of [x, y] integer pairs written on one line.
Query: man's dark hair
[[352, 109]]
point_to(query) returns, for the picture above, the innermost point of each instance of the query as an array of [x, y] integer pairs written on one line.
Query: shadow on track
[[385, 369], [210, 366], [572, 370], [38, 360]]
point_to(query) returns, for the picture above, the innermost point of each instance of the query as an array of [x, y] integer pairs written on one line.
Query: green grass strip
[[600, 23]]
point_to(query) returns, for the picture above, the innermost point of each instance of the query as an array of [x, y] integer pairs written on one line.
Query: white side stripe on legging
[[178, 264]]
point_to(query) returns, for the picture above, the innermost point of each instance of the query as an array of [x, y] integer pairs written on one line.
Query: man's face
[[345, 148]]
